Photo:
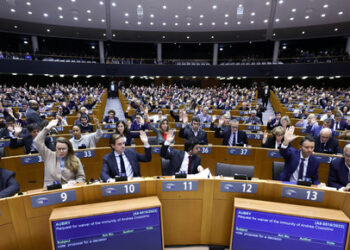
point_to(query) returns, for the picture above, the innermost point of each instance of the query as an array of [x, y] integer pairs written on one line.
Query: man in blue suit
[[299, 163], [181, 161], [8, 184], [124, 161], [339, 171], [338, 123]]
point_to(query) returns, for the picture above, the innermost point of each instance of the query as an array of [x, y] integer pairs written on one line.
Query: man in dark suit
[[110, 118], [339, 176], [231, 136], [274, 122], [32, 115], [181, 161], [122, 161], [265, 96], [338, 123], [326, 143], [193, 132], [299, 164], [28, 138], [8, 183], [7, 131]]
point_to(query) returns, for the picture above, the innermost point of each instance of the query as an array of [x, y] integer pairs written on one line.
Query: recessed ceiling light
[[75, 18], [280, 1], [294, 10], [212, 37], [104, 34], [214, 7], [25, 42], [101, 2], [267, 3], [335, 29], [60, 16], [252, 14], [188, 24], [164, 7], [225, 23], [13, 10], [176, 16], [73, 1], [274, 34], [151, 23], [46, 15], [240, 5], [292, 18], [188, 37], [126, 22], [59, 8], [28, 3], [340, 13], [303, 32], [114, 4], [29, 12], [164, 24], [277, 20], [88, 11], [48, 30], [227, 15], [102, 20], [151, 16], [189, 7], [15, 26], [265, 21], [200, 24], [252, 22], [323, 15], [201, 16], [163, 37], [213, 23], [89, 19], [307, 17], [126, 14], [176, 24], [325, 6], [114, 35], [138, 23], [239, 22]]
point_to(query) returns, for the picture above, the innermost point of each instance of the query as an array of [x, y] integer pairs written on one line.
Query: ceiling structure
[[177, 21]]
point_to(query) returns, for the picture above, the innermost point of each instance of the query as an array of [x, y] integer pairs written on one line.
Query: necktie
[[232, 141], [189, 164], [122, 165], [301, 169], [323, 147]]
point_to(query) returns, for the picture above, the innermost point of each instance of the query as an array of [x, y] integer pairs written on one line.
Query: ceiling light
[[59, 8], [126, 22], [340, 13], [304, 77], [75, 76], [46, 15], [213, 23], [163, 37], [138, 23], [280, 1], [225, 23], [188, 24], [88, 11], [114, 35], [294, 10], [14, 74], [61, 75], [151, 16], [265, 21], [25, 42], [323, 15], [163, 24], [104, 34], [73, 1], [75, 18], [176, 24], [29, 12], [212, 37], [176, 16], [126, 14], [239, 22], [221, 49], [28, 3], [252, 14], [214, 7], [188, 37], [252, 22], [275, 77], [201, 16], [139, 6], [88, 76], [240, 5], [189, 7], [13, 10], [267, 3], [48, 30], [200, 24], [325, 6], [335, 29], [114, 4], [290, 77], [15, 26], [307, 17], [102, 20], [164, 7], [274, 34], [60, 16], [277, 20], [92, 47], [89, 19], [30, 74], [303, 32], [292, 18], [101, 3], [226, 15], [151, 23]]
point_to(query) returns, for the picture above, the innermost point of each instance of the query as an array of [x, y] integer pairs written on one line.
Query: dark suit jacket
[[8, 183], [188, 134], [270, 143], [107, 118], [176, 158], [342, 125], [226, 133], [86, 129], [338, 173], [292, 158], [27, 143], [332, 146], [33, 117], [110, 167], [271, 125]]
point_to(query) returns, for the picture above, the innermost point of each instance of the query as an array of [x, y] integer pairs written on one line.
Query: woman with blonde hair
[[61, 165], [276, 140]]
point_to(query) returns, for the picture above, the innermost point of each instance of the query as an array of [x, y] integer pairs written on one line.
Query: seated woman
[[285, 122], [161, 131], [276, 140], [62, 165], [122, 129], [88, 140]]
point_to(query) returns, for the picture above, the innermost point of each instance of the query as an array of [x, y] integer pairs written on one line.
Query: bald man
[[326, 143]]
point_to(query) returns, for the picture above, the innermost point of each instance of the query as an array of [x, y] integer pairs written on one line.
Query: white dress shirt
[[184, 165], [295, 175], [128, 168]]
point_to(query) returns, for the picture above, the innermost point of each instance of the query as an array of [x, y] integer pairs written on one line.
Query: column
[[102, 51], [347, 49], [276, 51], [215, 54], [35, 44], [159, 53]]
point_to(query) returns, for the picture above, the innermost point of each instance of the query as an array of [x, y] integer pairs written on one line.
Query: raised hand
[[185, 118], [213, 118], [221, 121], [265, 134], [143, 137], [52, 124], [170, 136], [17, 129], [289, 135]]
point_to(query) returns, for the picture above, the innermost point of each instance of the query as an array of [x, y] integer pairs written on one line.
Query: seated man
[[328, 115], [32, 115], [275, 122], [85, 126], [326, 143], [8, 183], [253, 119], [80, 141], [158, 117], [7, 131], [339, 171], [28, 139], [138, 124], [231, 136], [299, 163], [338, 123], [193, 132], [181, 161], [204, 117], [111, 118], [124, 161]]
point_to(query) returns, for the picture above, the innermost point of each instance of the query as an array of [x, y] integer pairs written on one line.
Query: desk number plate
[[120, 189], [302, 194], [238, 187], [179, 186], [53, 198]]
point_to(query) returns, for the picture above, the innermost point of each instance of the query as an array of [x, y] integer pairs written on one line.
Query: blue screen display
[[137, 229], [261, 230]]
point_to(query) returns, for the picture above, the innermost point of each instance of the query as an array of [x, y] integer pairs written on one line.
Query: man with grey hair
[[204, 117], [339, 171], [253, 119], [326, 143], [231, 136]]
